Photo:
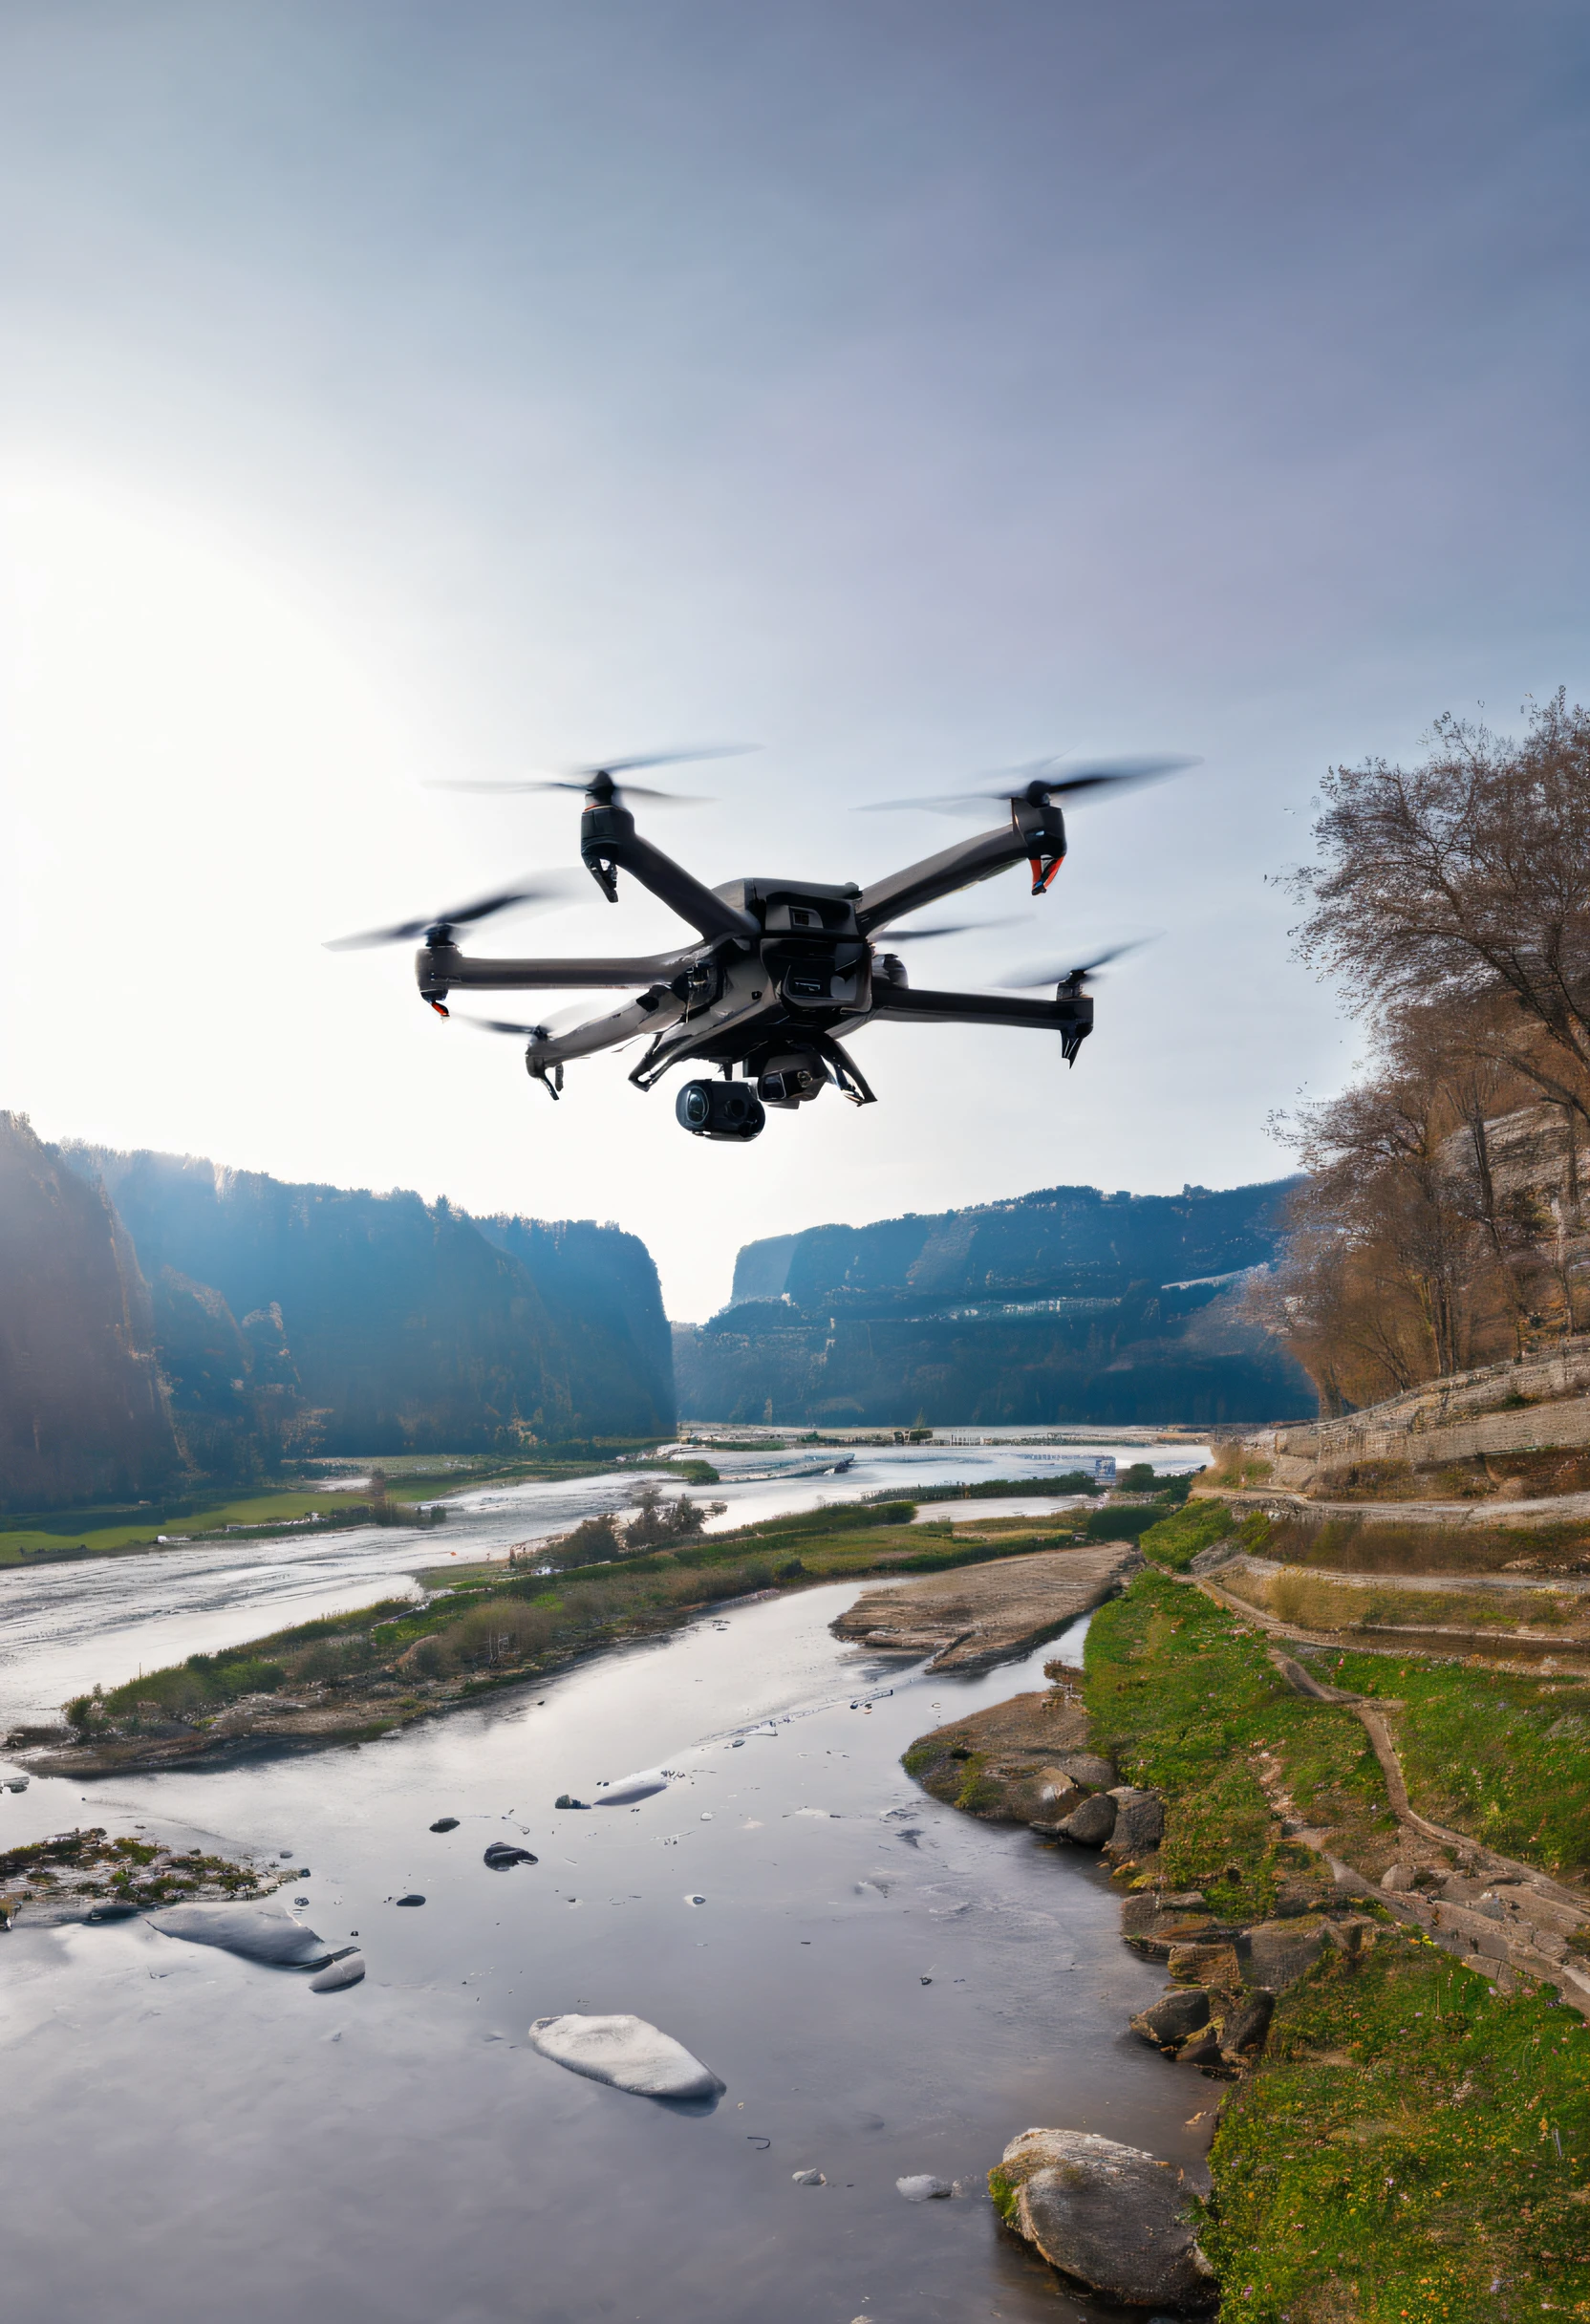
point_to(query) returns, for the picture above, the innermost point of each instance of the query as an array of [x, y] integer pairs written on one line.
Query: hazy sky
[[393, 391]]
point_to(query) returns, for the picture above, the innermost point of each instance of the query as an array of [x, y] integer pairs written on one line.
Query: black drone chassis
[[779, 970]]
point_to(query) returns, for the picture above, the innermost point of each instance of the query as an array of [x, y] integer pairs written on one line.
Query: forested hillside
[[82, 1409], [1067, 1304], [162, 1319], [402, 1326]]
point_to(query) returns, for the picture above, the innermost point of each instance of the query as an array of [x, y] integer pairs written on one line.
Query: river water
[[884, 1986], [103, 1620]]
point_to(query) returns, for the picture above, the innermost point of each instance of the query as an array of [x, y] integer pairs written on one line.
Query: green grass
[[1413, 2144], [1415, 2147], [1495, 1754], [1185, 1700], [1176, 1540]]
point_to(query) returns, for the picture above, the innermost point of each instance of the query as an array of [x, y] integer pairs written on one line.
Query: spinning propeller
[[1042, 780], [438, 928], [1050, 971], [600, 779]]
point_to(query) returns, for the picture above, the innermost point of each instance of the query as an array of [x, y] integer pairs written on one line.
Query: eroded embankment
[[1413, 2137]]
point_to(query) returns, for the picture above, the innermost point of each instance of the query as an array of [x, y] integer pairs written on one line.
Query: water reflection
[[885, 1986]]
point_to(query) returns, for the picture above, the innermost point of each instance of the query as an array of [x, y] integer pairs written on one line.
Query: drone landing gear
[[721, 1110]]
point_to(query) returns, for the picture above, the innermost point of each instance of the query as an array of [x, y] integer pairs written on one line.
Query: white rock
[[631, 1786], [627, 2052], [350, 1970], [807, 2178], [923, 2187], [258, 1932]]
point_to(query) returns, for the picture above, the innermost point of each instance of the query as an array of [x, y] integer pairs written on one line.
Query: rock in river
[[258, 1932], [340, 1974], [445, 1824], [626, 2052], [922, 2188], [629, 1788], [1169, 2020], [501, 1853], [1111, 2216], [1092, 1824]]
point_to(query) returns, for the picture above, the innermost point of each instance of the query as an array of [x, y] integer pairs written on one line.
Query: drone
[[777, 970]]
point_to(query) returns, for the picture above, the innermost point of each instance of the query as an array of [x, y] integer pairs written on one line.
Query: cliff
[[402, 1326], [83, 1413], [1067, 1304]]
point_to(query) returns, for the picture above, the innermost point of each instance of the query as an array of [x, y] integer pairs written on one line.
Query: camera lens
[[694, 1106]]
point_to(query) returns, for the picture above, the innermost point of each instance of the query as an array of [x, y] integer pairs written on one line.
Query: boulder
[[1205, 1965], [1281, 1951], [501, 1853], [1169, 2020], [923, 2187], [412, 1898], [1242, 2036], [807, 2178], [1055, 1801], [257, 1932], [1139, 1820], [445, 1824], [629, 1788], [566, 1800], [1092, 1824], [1111, 2216], [1087, 1769], [1294, 1898], [338, 1975], [626, 2052], [1201, 2049]]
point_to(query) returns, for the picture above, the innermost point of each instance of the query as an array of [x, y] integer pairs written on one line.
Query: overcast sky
[[392, 392]]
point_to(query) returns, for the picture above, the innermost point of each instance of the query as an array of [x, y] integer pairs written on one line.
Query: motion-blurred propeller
[[543, 1031], [583, 778], [439, 926], [925, 935], [1054, 971], [1042, 780]]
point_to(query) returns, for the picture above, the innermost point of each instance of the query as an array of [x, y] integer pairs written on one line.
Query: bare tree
[[1467, 880]]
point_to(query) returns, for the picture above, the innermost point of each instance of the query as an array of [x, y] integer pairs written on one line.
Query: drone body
[[778, 970]]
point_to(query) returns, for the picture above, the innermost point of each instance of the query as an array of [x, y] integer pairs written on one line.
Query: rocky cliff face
[[1067, 1304], [403, 1325], [83, 1413]]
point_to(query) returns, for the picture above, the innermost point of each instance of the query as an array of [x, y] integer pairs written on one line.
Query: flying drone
[[777, 969]]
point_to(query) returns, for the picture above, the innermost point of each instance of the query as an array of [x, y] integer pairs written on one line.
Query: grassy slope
[[1413, 2145]]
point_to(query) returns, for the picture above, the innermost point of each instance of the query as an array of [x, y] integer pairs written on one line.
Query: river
[[885, 1986]]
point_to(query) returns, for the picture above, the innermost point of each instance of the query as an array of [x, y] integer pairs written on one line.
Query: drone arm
[[647, 1012], [1034, 835], [608, 842], [1068, 1014], [440, 967]]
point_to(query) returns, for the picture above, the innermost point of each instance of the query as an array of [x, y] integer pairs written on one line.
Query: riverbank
[[414, 1490], [481, 1630], [1413, 2138]]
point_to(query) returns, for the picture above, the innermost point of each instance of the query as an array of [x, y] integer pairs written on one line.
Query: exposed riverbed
[[64, 1628], [205, 2136]]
